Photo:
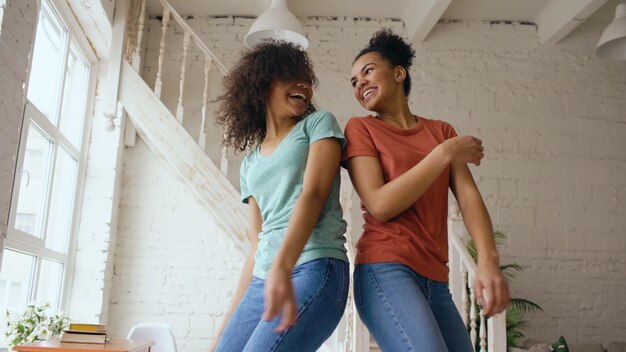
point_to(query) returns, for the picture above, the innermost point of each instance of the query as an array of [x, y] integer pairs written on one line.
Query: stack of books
[[85, 333]]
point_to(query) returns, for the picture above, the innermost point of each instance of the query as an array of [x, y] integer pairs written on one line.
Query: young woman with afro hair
[[402, 166], [293, 288]]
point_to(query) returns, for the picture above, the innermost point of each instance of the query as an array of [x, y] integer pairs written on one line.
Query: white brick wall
[[552, 119], [16, 41], [554, 178], [173, 262], [96, 240]]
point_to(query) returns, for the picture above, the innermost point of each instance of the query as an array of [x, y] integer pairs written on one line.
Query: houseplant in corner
[[515, 321], [34, 325]]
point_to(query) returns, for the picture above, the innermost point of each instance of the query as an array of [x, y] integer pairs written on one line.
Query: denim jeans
[[321, 289], [405, 311]]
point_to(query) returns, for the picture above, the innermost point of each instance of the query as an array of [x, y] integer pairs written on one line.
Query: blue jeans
[[405, 311], [321, 289]]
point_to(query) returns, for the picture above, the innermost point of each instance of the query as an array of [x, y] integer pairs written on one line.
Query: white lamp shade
[[277, 22], [612, 43]]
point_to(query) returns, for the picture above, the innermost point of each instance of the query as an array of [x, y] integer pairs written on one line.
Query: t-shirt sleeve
[[359, 141], [448, 130], [243, 181], [322, 125]]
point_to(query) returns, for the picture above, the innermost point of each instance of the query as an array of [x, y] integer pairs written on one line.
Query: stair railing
[[487, 335], [134, 56]]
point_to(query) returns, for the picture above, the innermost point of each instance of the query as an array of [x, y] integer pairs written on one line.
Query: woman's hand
[[279, 298], [464, 149], [492, 290]]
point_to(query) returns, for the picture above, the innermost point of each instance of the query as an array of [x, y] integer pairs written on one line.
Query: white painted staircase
[[171, 143]]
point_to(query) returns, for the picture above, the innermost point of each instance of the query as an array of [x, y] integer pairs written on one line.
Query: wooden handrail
[[195, 37], [492, 332], [461, 250]]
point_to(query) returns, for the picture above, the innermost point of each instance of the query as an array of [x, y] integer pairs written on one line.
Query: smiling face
[[375, 81], [289, 99]]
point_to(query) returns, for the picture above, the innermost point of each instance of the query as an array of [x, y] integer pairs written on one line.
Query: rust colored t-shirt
[[418, 237]]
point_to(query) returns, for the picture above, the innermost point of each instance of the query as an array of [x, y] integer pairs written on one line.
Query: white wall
[[16, 41], [173, 263], [554, 176], [553, 121]]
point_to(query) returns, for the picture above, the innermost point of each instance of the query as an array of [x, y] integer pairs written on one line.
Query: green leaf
[[511, 270], [524, 305], [499, 237], [471, 248]]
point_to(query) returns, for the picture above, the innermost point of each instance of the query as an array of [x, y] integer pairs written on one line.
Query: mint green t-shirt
[[275, 182]]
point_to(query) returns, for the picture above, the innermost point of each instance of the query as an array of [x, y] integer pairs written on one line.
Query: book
[[88, 327], [83, 337]]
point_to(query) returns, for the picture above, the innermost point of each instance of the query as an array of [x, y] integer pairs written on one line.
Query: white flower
[[33, 325]]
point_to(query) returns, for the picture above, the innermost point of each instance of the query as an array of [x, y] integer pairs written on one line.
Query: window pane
[[34, 183], [74, 93], [26, 222], [45, 76], [2, 5], [62, 201], [16, 278], [50, 283]]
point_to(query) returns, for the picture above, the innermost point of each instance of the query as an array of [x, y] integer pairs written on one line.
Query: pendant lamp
[[612, 43], [277, 22]]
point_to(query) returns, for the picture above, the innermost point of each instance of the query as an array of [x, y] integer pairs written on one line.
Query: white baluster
[[496, 337], [180, 110], [464, 296], [483, 334], [454, 264], [159, 83], [224, 162], [205, 99], [131, 36], [454, 211], [473, 332], [136, 61]]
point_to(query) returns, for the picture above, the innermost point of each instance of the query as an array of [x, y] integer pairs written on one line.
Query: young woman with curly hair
[[402, 165], [293, 288]]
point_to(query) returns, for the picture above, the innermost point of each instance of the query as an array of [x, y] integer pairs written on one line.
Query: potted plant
[[34, 325]]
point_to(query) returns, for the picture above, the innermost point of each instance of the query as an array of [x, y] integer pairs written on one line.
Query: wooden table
[[114, 345]]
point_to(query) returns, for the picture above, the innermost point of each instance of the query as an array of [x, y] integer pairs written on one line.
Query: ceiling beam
[[560, 17], [421, 16]]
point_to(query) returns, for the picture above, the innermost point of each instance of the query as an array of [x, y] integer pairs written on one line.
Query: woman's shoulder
[[439, 125], [361, 118], [358, 121], [320, 120], [320, 115], [249, 155], [434, 122]]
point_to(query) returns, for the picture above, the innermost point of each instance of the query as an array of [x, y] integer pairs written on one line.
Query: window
[[43, 216], [2, 6]]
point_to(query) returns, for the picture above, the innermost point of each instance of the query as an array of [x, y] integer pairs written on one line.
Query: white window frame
[[26, 243], [2, 7]]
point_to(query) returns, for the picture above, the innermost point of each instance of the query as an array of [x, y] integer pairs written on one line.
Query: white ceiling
[[554, 18]]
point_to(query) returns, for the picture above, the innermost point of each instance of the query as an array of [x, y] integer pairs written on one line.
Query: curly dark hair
[[393, 49], [242, 107]]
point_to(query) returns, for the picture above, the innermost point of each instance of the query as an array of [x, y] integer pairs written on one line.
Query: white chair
[[160, 333]]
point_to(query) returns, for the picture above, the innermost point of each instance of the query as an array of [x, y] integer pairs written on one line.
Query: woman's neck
[[398, 114], [276, 126]]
